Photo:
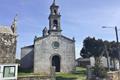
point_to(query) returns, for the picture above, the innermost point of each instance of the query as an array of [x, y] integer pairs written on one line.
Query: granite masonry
[[51, 49], [8, 43]]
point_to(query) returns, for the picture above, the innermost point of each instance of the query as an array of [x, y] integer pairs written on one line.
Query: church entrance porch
[[56, 63]]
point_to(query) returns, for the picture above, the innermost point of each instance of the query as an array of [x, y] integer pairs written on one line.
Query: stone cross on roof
[[54, 1], [15, 19]]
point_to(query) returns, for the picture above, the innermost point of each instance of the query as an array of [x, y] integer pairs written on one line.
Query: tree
[[98, 47], [17, 61], [92, 47], [84, 53], [95, 48], [114, 53]]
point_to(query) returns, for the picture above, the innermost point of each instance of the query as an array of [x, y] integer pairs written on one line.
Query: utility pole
[[116, 31], [108, 58]]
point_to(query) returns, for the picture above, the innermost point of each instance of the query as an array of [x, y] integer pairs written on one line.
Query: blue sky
[[80, 19]]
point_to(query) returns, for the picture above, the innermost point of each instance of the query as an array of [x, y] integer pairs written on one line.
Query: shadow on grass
[[80, 72], [21, 70], [62, 78]]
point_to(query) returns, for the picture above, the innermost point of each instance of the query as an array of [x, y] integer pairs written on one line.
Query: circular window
[[55, 44]]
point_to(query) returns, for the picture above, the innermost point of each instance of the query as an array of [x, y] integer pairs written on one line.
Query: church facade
[[52, 49]]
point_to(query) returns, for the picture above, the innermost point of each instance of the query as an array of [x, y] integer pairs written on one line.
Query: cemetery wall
[[113, 75], [35, 78]]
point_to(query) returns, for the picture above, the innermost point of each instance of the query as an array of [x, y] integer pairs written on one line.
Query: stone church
[[51, 49]]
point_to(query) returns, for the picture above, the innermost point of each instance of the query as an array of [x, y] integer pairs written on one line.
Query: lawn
[[79, 74]]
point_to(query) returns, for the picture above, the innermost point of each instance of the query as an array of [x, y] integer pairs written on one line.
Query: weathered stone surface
[[35, 78], [44, 52], [113, 75], [7, 48], [27, 57], [5, 29], [52, 49]]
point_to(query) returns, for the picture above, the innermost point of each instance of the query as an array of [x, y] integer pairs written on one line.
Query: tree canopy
[[96, 47]]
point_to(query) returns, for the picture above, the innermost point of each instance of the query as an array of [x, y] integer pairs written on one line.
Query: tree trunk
[[114, 64], [108, 63]]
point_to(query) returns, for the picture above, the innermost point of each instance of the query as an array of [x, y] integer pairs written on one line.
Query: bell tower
[[54, 18]]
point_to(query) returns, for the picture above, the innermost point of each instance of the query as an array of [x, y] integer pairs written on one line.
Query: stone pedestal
[[53, 77], [113, 75], [89, 72]]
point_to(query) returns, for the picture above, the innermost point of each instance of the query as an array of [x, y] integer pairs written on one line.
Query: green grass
[[79, 74], [26, 73], [31, 74]]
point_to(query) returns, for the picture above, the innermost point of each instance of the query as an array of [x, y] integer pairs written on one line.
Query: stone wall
[[7, 48], [35, 78], [44, 51], [113, 75], [27, 56]]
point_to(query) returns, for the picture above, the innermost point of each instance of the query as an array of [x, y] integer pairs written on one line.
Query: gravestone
[[92, 61], [53, 77], [104, 61], [89, 72]]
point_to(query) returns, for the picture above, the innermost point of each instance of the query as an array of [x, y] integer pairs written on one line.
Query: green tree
[[114, 53], [96, 48], [92, 47]]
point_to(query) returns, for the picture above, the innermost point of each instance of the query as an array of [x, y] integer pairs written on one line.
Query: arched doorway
[[56, 63]]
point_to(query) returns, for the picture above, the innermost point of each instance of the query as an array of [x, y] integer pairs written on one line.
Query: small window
[[55, 11], [55, 22], [55, 45], [9, 71]]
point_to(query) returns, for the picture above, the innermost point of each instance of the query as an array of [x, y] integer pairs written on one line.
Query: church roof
[[5, 29], [30, 46], [68, 38], [39, 38]]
